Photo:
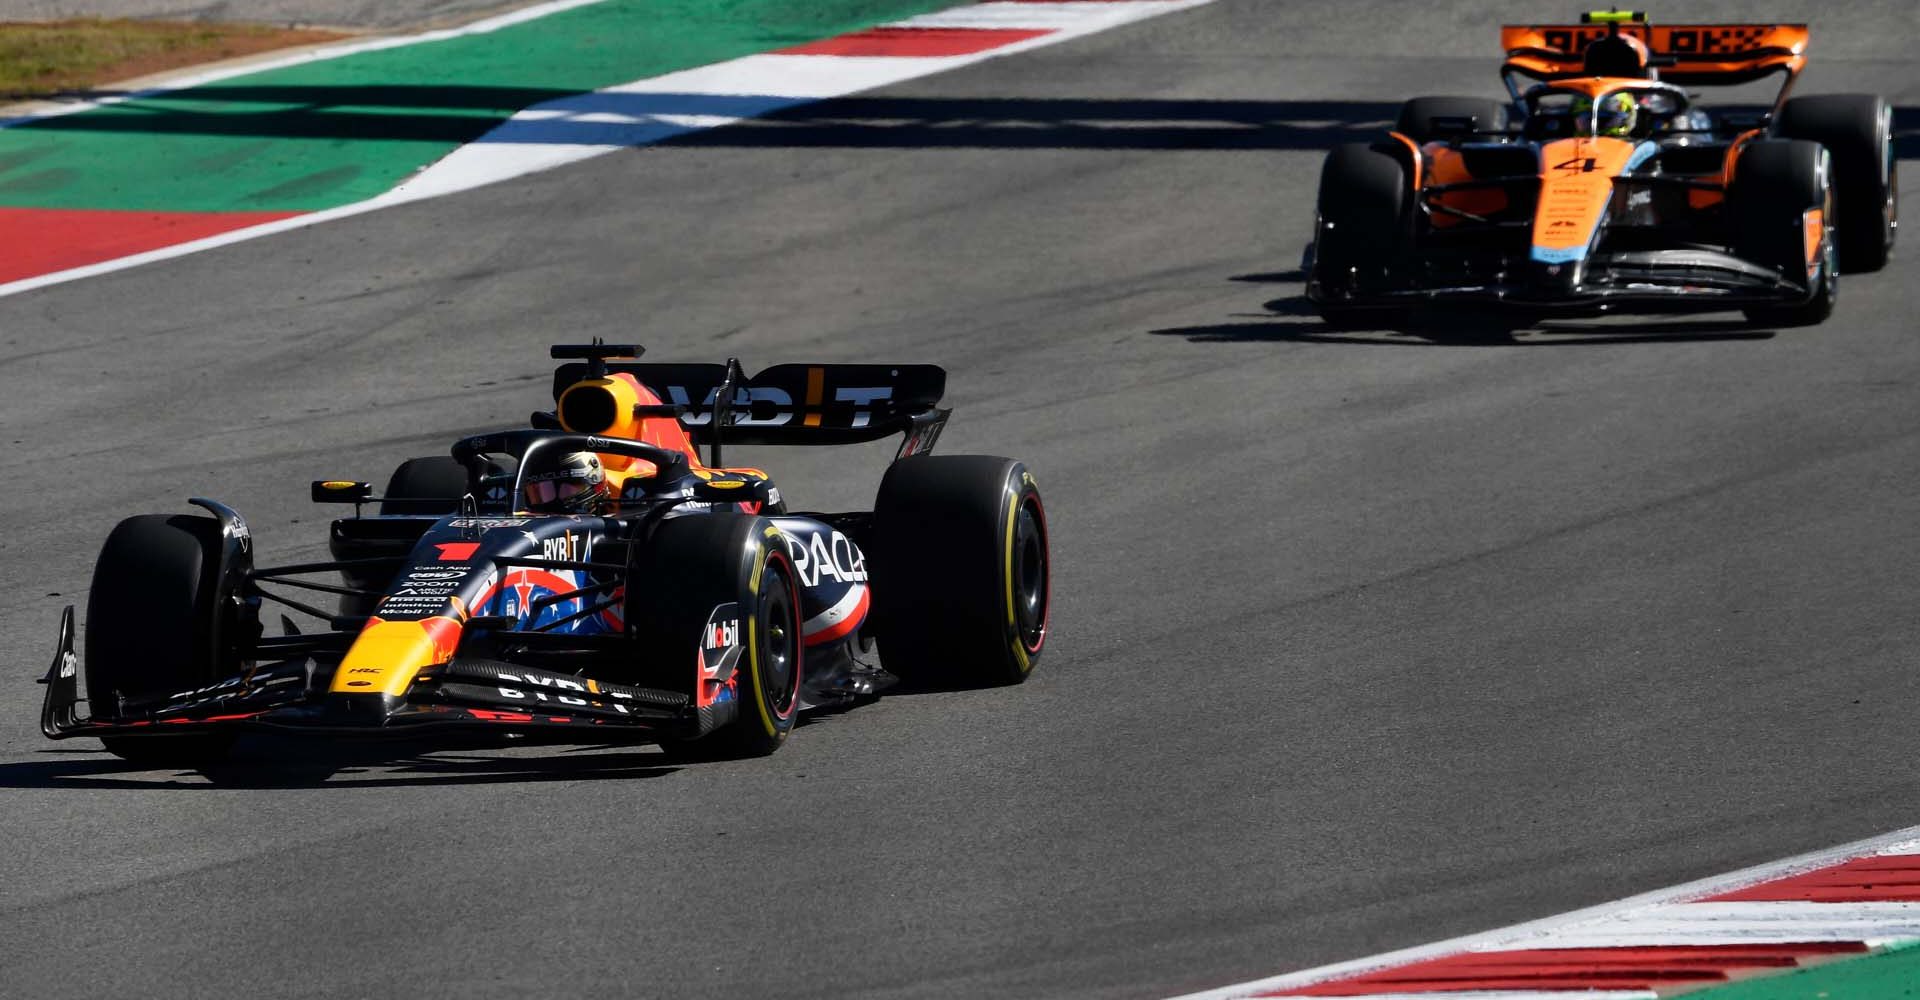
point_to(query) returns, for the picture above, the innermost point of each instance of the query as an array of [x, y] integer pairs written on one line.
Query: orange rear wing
[[1686, 54]]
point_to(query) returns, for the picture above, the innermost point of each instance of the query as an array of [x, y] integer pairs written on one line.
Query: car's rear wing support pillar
[[923, 430]]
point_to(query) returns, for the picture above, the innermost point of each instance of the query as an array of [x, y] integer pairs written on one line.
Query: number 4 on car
[[1603, 186]]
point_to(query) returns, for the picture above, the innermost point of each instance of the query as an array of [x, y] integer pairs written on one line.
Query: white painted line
[[1661, 910], [310, 55], [583, 126], [551, 134], [1031, 16]]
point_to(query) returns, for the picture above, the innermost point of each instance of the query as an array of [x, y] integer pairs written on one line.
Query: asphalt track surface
[[1362, 639]]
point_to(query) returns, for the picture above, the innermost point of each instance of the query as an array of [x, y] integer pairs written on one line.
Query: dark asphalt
[[1362, 639]]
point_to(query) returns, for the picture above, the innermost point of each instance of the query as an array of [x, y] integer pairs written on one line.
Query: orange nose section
[[387, 655]]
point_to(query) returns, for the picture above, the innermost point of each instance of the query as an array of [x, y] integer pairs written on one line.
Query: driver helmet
[[1618, 55], [573, 483], [1618, 114]]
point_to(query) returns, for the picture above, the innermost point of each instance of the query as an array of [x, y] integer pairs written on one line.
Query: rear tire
[[431, 485], [1417, 115], [1857, 130], [962, 584], [683, 574], [1775, 183], [1360, 228], [150, 629]]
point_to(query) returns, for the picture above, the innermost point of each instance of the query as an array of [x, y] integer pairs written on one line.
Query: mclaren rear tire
[[151, 630], [962, 583], [1776, 182], [1361, 226], [1857, 130], [730, 571], [1417, 116]]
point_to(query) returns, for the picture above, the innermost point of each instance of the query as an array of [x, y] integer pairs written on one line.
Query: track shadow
[[1314, 331], [466, 112], [1056, 123], [1294, 319], [267, 762]]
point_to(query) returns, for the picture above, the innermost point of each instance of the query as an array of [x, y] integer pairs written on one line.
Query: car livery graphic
[[685, 606], [1603, 186]]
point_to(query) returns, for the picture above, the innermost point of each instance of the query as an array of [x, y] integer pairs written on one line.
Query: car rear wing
[[795, 404], [1684, 54]]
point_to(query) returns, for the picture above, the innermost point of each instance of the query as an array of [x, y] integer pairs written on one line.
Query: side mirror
[[341, 491]]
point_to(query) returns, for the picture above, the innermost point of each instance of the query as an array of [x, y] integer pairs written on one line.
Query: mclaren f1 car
[[589, 578], [1602, 185]]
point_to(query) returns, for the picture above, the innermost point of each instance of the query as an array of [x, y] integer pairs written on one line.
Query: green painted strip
[[1889, 975], [324, 134]]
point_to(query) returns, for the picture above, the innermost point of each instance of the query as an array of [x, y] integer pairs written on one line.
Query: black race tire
[[1361, 226], [430, 485], [1775, 182], [1857, 130], [1417, 115], [692, 565], [151, 629], [962, 583]]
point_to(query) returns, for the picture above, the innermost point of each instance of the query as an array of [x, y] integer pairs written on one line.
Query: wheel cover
[[778, 635], [1032, 583]]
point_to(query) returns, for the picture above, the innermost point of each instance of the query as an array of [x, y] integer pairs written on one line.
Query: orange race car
[[1602, 185]]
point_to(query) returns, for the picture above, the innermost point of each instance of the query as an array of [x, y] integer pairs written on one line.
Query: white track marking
[[1665, 916], [545, 136], [315, 54], [1043, 16], [571, 129]]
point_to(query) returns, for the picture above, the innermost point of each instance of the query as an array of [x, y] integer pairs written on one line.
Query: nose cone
[[387, 655]]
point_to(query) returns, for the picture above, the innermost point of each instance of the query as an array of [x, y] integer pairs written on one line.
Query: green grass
[[42, 59]]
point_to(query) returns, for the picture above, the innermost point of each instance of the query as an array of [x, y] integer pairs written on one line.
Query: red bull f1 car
[[590, 578], [1602, 185]]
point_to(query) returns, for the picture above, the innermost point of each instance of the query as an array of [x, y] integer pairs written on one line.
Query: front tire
[[962, 583], [430, 485], [1417, 116], [691, 570], [151, 631], [1361, 226], [1775, 183], [1857, 130]]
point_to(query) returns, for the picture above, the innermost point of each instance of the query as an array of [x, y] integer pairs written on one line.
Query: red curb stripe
[[1642, 968], [1872, 879], [926, 42], [36, 241]]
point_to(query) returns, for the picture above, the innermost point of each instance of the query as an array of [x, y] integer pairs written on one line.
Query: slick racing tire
[[1417, 116], [732, 570], [961, 580], [1857, 130], [1360, 228], [1775, 183], [431, 485], [151, 629]]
